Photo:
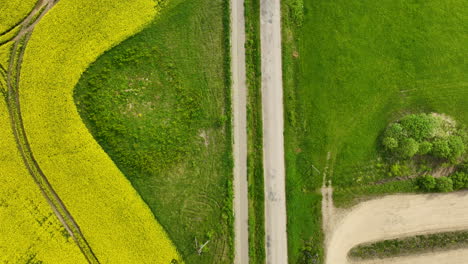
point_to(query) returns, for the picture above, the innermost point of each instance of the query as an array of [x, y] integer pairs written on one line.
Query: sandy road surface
[[459, 256], [239, 109], [273, 148], [398, 216]]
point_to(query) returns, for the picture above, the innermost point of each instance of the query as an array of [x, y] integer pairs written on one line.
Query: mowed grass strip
[[158, 104], [350, 68], [12, 12], [29, 230], [254, 130], [411, 245], [116, 222]]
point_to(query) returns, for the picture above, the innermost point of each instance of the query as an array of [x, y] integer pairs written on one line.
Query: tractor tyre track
[[13, 103]]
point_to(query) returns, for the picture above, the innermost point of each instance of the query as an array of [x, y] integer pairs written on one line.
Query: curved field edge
[[116, 222], [13, 12], [38, 235], [164, 122], [411, 245]]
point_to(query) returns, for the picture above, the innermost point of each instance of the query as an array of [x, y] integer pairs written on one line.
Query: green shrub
[[457, 147], [408, 148], [425, 148], [425, 134], [390, 143], [420, 126], [395, 130], [460, 180], [444, 184], [441, 149], [426, 183], [296, 8]]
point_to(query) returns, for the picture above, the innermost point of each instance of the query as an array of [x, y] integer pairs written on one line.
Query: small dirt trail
[[14, 108], [239, 109], [396, 216], [273, 127]]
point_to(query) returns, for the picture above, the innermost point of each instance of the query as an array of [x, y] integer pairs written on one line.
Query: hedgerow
[[114, 219], [13, 12], [28, 228]]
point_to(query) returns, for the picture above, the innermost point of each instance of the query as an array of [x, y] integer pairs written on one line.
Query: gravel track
[[239, 109], [396, 216], [273, 127]]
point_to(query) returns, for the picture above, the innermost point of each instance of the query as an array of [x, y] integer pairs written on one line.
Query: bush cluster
[[425, 134], [456, 181]]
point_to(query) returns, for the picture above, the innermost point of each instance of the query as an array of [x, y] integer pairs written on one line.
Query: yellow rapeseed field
[[28, 228], [5, 54], [13, 11], [116, 222]]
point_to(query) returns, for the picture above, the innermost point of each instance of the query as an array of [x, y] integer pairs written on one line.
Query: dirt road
[[398, 216], [273, 148], [239, 109]]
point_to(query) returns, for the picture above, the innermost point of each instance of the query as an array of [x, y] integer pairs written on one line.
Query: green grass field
[[350, 68], [159, 105]]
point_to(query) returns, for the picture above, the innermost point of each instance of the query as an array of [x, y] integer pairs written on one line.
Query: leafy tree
[[419, 126], [408, 147], [395, 130], [460, 180], [456, 146], [424, 148], [441, 148], [390, 143], [426, 182], [444, 184]]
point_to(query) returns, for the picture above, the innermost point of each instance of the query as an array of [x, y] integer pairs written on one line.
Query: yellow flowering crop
[[114, 219], [13, 11], [28, 227]]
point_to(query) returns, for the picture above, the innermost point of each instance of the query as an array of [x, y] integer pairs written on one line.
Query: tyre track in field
[[13, 103], [26, 21]]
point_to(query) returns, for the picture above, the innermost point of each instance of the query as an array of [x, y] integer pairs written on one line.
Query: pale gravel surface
[[397, 216], [273, 148], [239, 109]]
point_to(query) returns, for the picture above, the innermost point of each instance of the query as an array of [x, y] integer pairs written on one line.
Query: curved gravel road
[[399, 216]]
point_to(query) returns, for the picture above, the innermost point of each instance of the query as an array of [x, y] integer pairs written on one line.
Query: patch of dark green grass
[[159, 105], [254, 130], [411, 245], [350, 68]]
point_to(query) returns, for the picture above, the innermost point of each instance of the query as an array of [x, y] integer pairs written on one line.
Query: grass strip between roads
[[254, 130]]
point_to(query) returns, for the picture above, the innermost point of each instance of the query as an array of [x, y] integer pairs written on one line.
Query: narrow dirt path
[[396, 216], [239, 109], [14, 108], [273, 127]]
